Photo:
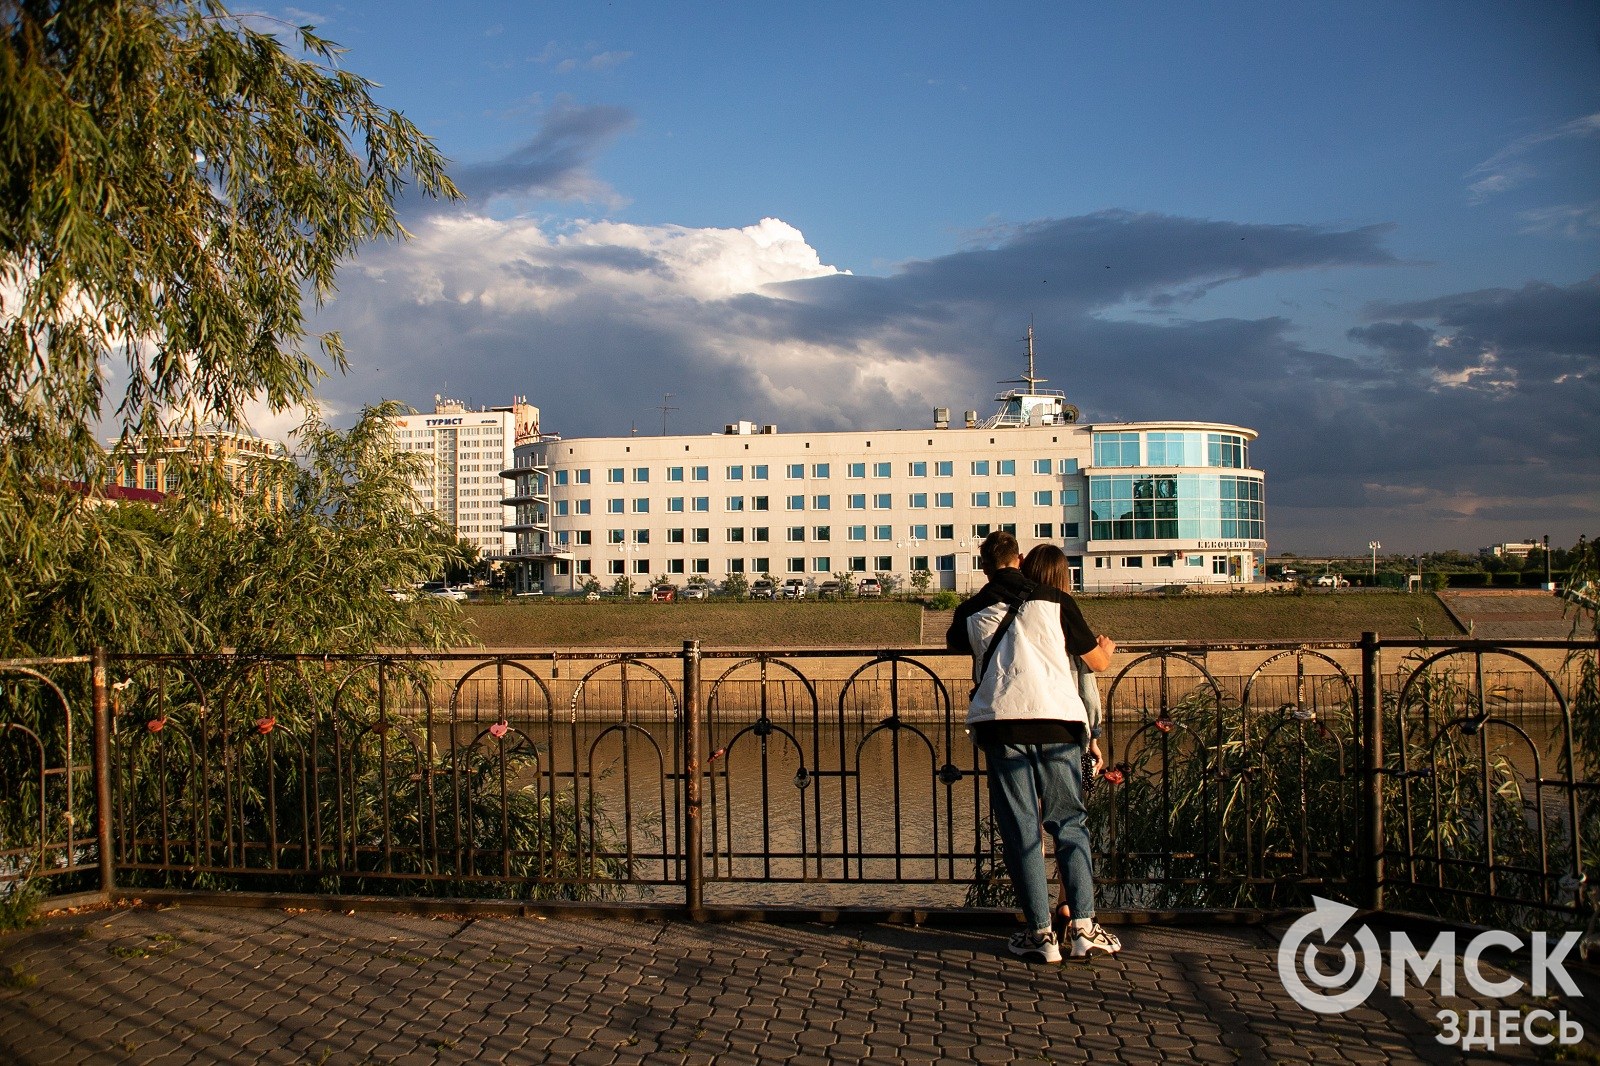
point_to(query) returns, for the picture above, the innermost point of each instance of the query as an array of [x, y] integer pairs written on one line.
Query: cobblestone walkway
[[197, 985]]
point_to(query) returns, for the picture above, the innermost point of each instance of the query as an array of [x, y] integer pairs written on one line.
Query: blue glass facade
[[1171, 506]]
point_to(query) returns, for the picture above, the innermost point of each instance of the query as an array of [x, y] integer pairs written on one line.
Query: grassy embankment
[[568, 624]]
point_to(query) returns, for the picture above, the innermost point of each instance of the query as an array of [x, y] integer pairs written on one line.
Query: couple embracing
[[1034, 659]]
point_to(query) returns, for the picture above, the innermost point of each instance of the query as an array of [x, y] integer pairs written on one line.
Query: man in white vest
[[1028, 718]]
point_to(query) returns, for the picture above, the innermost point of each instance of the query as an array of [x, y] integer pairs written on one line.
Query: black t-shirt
[[1008, 585]]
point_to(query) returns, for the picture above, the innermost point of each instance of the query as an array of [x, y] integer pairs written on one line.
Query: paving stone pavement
[[196, 985]]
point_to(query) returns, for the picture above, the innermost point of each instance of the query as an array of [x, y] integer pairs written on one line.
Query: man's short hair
[[998, 549]]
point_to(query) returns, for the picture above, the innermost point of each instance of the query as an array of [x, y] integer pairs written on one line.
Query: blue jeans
[[1042, 784]]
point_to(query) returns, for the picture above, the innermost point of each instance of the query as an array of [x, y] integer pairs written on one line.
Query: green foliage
[[920, 581], [945, 600], [735, 586], [173, 183]]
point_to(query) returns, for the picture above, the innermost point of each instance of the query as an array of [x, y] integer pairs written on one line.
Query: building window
[[641, 536], [760, 564], [884, 563], [1041, 466], [580, 507], [821, 532], [1219, 565], [580, 477], [1116, 449], [561, 508], [735, 534], [1007, 499], [736, 473], [615, 536], [822, 564], [820, 470], [700, 566], [1044, 498], [641, 505], [796, 566], [614, 506], [980, 468], [980, 499], [856, 501], [797, 503], [735, 503], [641, 473], [758, 503], [616, 566], [641, 566], [882, 470], [1069, 498], [918, 469], [796, 470], [735, 566], [797, 533], [1133, 562], [857, 563], [1069, 531], [614, 475], [1164, 560], [919, 500], [945, 564], [944, 468], [758, 472], [700, 535], [583, 537], [981, 530], [882, 532], [821, 503], [674, 473], [855, 533], [919, 532], [919, 562], [944, 499], [945, 532], [700, 473], [675, 536], [1005, 467], [1044, 530], [675, 504], [701, 503], [675, 566], [856, 470], [882, 501]]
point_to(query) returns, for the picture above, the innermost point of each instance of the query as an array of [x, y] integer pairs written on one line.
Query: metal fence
[[1446, 780]]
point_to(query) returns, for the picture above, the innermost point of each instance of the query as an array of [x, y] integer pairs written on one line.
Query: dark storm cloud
[[555, 163], [1443, 416]]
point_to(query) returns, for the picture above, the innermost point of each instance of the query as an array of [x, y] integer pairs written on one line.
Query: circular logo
[[1304, 979]]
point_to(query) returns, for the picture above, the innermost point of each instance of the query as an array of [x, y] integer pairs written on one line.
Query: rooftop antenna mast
[[664, 409], [1029, 379]]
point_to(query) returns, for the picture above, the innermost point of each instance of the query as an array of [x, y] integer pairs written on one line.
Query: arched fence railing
[[1437, 777]]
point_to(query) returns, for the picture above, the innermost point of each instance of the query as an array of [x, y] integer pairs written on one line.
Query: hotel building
[[1134, 505], [159, 475], [467, 449]]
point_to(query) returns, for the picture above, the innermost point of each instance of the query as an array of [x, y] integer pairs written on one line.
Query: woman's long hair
[[1047, 564]]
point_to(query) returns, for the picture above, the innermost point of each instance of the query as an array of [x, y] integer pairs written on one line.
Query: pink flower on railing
[[265, 725], [1114, 775], [499, 729], [156, 725], [1164, 724]]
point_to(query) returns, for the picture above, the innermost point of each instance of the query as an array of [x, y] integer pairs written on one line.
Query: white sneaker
[[1036, 947], [1095, 941]]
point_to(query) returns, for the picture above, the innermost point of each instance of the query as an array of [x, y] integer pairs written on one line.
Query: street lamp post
[[1549, 584], [1374, 545]]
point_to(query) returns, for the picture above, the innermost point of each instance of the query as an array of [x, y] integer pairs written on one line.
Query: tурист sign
[[1224, 545]]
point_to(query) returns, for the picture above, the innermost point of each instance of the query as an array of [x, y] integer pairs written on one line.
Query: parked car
[[762, 589], [829, 590], [459, 595], [1331, 581], [695, 592], [663, 594], [794, 588], [869, 586]]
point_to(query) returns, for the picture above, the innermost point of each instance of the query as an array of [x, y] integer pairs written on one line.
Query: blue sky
[[1369, 231]]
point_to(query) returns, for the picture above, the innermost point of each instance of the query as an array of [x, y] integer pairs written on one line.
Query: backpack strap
[[994, 643]]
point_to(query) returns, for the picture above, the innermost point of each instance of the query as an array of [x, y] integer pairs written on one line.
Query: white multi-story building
[[1133, 504], [468, 449]]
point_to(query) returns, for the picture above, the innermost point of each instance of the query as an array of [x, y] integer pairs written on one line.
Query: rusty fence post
[[1372, 829], [101, 706], [693, 745]]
